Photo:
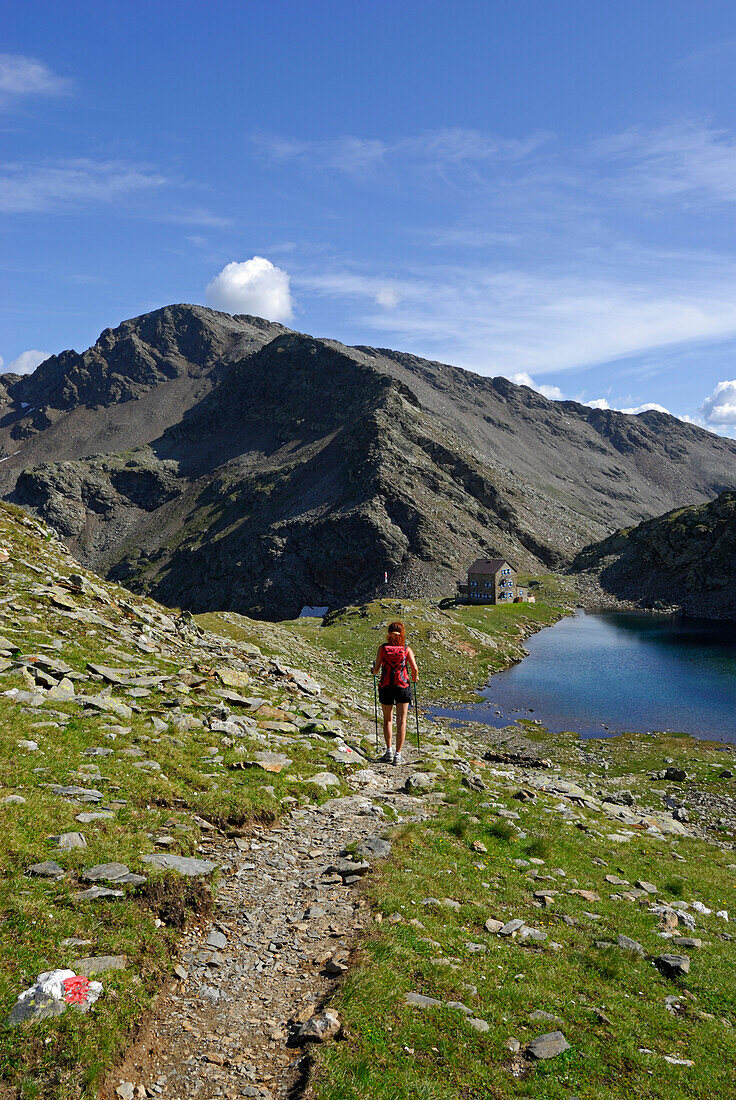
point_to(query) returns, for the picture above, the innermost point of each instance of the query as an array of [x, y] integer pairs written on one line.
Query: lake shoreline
[[599, 674]]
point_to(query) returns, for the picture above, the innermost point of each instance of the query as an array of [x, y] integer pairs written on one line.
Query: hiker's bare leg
[[402, 709], [388, 712]]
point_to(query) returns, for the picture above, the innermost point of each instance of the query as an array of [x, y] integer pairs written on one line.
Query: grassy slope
[[457, 648], [396, 1050], [65, 1058]]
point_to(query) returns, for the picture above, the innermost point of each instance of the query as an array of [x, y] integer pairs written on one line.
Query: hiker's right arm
[[377, 663]]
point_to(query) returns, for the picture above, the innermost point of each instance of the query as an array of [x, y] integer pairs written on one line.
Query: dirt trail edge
[[288, 912]]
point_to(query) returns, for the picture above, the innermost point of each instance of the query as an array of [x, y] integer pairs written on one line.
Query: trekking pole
[[375, 707], [416, 712]]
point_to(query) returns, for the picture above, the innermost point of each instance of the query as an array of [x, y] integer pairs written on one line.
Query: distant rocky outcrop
[[228, 462], [685, 558]]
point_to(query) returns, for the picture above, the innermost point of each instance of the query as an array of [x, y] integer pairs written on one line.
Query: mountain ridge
[[218, 461]]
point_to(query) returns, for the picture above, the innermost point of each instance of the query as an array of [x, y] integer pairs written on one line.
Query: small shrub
[[501, 830], [539, 848], [459, 827], [675, 886]]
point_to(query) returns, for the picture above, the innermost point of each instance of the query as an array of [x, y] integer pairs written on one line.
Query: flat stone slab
[[48, 869], [346, 756], [86, 818], [98, 893], [234, 677], [105, 872], [270, 761], [511, 927], [547, 1046], [184, 865], [97, 964], [323, 780], [81, 794], [420, 1001]]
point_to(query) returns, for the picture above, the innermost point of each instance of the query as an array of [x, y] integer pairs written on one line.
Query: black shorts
[[390, 695]]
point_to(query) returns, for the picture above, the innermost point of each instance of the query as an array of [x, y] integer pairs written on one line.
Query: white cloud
[[439, 150], [649, 406], [21, 76], [37, 188], [598, 403], [676, 159], [254, 286], [386, 293], [553, 393], [26, 362], [719, 407], [510, 321]]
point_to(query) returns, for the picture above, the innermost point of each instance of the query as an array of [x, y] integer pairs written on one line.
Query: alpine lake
[[600, 674]]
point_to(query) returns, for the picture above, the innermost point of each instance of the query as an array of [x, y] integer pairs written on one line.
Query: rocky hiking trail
[[252, 983]]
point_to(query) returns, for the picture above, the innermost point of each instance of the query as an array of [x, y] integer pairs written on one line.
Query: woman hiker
[[393, 687]]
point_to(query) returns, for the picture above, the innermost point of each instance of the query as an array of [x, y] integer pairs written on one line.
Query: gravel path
[[282, 932]]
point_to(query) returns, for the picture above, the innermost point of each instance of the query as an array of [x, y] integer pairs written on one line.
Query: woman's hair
[[395, 634]]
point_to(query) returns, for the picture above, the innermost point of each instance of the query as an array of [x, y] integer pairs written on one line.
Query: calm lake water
[[598, 674]]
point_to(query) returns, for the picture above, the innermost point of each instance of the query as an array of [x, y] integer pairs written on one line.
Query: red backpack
[[393, 666]]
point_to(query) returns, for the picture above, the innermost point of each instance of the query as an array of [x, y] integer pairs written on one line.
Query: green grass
[[457, 647], [65, 1058], [394, 1050]]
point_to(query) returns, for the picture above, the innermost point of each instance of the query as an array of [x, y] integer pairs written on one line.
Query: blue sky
[[543, 189]]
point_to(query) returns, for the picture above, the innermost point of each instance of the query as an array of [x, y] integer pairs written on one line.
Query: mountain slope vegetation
[[686, 558]]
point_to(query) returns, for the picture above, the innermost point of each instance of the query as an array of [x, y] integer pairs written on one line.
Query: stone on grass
[[69, 840], [539, 1015], [493, 926], [269, 761], [105, 872], [419, 782], [374, 846], [511, 927], [323, 780], [98, 964], [13, 799], [548, 1046], [420, 1001], [48, 869], [672, 966], [647, 887], [630, 945], [29, 746], [479, 1025], [320, 1028], [184, 865], [99, 893]]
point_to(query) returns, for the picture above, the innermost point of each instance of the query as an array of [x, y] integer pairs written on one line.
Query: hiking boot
[[398, 759], [387, 758]]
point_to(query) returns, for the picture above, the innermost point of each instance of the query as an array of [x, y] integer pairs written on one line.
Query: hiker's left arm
[[377, 664], [412, 661]]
